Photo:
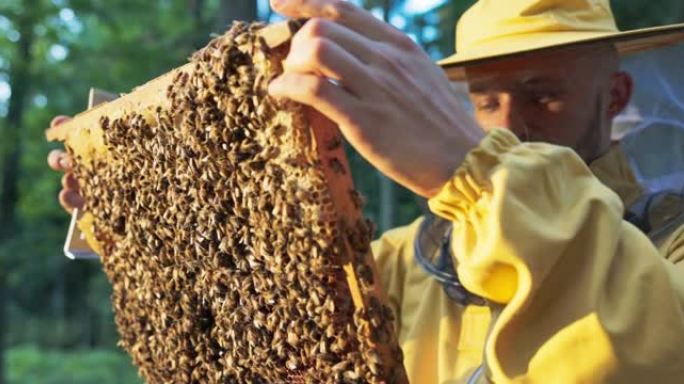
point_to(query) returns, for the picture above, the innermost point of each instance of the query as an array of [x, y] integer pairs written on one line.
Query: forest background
[[56, 323]]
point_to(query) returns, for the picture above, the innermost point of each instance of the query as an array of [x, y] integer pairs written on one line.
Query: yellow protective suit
[[577, 294]]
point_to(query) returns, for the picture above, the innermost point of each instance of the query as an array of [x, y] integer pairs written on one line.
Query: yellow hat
[[496, 29]]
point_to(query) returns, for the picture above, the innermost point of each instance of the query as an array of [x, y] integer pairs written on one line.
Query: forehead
[[544, 68]]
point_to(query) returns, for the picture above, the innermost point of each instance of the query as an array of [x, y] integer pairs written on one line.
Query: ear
[[620, 92]]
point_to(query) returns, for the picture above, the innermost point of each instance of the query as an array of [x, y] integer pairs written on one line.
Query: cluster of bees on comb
[[219, 233]]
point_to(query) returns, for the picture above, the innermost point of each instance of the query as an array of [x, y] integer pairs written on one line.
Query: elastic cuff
[[471, 179]]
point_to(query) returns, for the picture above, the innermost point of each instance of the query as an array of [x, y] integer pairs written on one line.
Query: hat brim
[[626, 42]]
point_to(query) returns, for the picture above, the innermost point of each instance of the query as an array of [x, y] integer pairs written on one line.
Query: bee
[[221, 238]]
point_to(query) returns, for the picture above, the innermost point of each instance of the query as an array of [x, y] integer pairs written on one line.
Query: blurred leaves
[[115, 44], [34, 365]]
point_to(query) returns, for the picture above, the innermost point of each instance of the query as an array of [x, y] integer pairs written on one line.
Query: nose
[[510, 115]]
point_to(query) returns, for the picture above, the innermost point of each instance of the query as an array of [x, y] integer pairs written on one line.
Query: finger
[[70, 200], [57, 120], [59, 160], [362, 48], [324, 57], [69, 182], [319, 93], [340, 11]]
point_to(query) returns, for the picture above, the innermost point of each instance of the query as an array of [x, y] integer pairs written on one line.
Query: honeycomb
[[232, 235]]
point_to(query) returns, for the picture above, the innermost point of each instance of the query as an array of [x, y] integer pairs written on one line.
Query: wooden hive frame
[[85, 138]]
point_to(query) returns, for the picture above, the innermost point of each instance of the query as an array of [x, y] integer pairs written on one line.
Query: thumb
[[298, 9]]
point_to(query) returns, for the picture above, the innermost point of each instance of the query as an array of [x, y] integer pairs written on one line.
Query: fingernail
[[58, 120], [65, 163], [275, 86], [74, 199]]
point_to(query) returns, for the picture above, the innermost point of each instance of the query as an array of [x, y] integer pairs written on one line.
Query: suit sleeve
[[582, 296]]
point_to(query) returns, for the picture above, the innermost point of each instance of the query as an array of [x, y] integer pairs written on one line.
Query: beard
[[595, 141]]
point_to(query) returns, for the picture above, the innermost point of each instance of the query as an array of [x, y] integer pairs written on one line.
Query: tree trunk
[[231, 10], [20, 82], [387, 190], [199, 29], [3, 324], [387, 203]]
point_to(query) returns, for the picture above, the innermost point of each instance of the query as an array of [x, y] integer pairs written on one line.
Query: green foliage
[[116, 45], [30, 364], [633, 14]]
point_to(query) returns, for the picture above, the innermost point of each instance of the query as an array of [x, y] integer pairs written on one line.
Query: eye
[[488, 104], [552, 102], [544, 98]]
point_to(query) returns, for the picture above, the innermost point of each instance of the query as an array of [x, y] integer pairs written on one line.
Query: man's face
[[559, 97]]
